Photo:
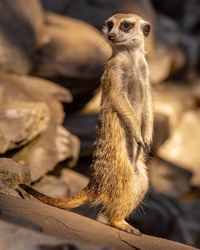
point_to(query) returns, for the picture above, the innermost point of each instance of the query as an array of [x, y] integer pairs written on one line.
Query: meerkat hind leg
[[124, 226]]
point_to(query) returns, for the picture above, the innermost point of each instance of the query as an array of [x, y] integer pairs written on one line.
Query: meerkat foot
[[124, 226]]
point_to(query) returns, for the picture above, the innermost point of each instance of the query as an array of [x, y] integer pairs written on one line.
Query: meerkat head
[[126, 30]]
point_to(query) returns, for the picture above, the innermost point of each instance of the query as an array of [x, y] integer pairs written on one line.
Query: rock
[[195, 88], [191, 209], [75, 183], [73, 227], [80, 70], [169, 8], [189, 22], [52, 186], [86, 132], [20, 122], [172, 99], [68, 146], [161, 131], [190, 18], [171, 60], [40, 88], [169, 57], [17, 237], [74, 180], [11, 174], [168, 30], [176, 222], [67, 184], [169, 179], [21, 39], [56, 6], [72, 59], [185, 13], [182, 148], [70, 54], [95, 12], [55, 143], [93, 106], [43, 154], [34, 89]]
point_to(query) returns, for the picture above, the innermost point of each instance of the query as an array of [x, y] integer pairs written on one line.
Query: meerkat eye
[[125, 26], [110, 25]]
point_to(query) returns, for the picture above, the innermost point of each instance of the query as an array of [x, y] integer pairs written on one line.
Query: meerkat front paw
[[140, 142], [147, 144], [147, 147]]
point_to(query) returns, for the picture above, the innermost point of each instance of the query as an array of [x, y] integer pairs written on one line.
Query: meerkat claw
[[147, 147], [141, 144]]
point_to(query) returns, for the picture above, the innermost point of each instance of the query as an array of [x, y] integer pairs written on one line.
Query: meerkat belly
[[111, 152], [134, 88], [114, 178]]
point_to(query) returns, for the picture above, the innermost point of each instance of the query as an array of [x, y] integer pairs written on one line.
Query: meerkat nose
[[112, 37]]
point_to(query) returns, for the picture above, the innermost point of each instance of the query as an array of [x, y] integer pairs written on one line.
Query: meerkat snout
[[126, 30], [112, 37]]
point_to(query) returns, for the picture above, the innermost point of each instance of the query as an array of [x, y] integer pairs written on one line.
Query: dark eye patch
[[126, 26], [109, 25]]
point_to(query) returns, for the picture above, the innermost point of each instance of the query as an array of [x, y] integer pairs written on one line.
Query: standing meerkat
[[119, 179]]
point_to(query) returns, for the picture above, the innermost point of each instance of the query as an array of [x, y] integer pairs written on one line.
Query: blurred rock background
[[52, 56]]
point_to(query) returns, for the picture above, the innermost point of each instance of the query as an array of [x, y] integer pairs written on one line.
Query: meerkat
[[119, 179]]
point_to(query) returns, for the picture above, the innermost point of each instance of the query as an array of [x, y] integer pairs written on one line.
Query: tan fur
[[119, 178]]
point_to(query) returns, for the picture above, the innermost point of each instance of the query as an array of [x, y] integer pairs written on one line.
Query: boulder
[[68, 53], [20, 33], [182, 148], [74, 180], [11, 174], [86, 132], [68, 183], [169, 8], [161, 131], [20, 122], [170, 100], [46, 151], [95, 12], [69, 226], [165, 62], [52, 186], [169, 179], [165, 33], [35, 116], [56, 6], [73, 59], [169, 58], [17, 237], [178, 220], [34, 89], [195, 89]]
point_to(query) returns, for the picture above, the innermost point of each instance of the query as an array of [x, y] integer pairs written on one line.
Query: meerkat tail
[[67, 203]]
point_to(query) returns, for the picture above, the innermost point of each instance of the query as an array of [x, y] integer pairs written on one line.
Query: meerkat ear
[[146, 28]]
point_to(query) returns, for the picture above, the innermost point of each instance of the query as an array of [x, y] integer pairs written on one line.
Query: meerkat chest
[[134, 84]]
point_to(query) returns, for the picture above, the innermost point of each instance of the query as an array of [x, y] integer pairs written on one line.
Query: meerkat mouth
[[118, 41]]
